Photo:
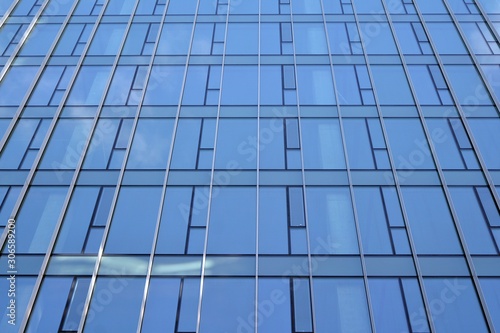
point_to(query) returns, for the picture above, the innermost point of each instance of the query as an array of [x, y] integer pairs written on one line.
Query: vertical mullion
[[257, 187]]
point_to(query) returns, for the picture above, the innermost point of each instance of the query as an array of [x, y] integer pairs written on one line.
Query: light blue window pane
[[331, 221], [146, 7], [8, 203], [38, 217], [492, 73], [274, 307], [120, 296], [24, 8], [315, 85], [408, 145], [66, 144], [164, 86], [175, 219], [151, 144], [5, 5], [347, 85], [424, 86], [368, 7], [489, 206], [74, 310], [306, 7], [476, 38], [302, 305], [431, 6], [238, 32], [107, 39], [272, 144], [18, 143], [161, 305], [377, 37], [487, 135], [358, 144], [202, 40], [270, 7], [446, 38], [239, 298], [189, 305], [310, 38], [231, 205], [175, 38], [432, 227], [491, 7], [338, 38], [68, 40], [271, 87], [89, 85], [388, 305], [196, 85], [46, 86], [270, 37], [334, 299], [273, 222], [136, 37], [474, 226], [332, 7], [119, 7], [372, 219], [39, 40], [136, 206], [406, 38], [76, 221], [239, 85], [236, 144], [391, 85], [322, 144], [415, 305], [24, 288], [467, 85], [186, 144], [186, 7], [121, 84], [15, 84], [49, 307], [457, 304], [101, 145], [491, 293], [448, 153]]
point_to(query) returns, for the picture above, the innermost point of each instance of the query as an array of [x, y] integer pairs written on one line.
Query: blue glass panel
[[487, 135], [24, 287], [431, 6], [358, 145], [430, 220], [315, 85], [322, 144], [119, 7], [161, 305], [74, 310], [164, 85], [273, 222], [334, 300], [368, 7], [331, 221], [408, 145], [99, 152], [121, 84], [239, 299], [18, 143], [15, 84], [112, 298], [472, 221], [272, 144], [454, 305], [136, 206], [175, 38], [107, 39], [273, 307], [372, 219], [338, 38], [236, 144], [188, 312], [448, 153], [238, 32], [271, 87], [377, 38], [66, 144], [38, 217], [40, 40], [9, 199], [391, 85], [49, 307], [77, 219], [347, 85], [446, 38], [406, 38], [424, 86], [196, 85], [232, 221], [491, 292], [89, 85], [239, 85], [415, 305], [310, 38], [306, 6], [269, 37], [151, 144], [187, 139]]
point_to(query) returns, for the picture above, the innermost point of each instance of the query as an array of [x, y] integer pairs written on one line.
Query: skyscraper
[[265, 166]]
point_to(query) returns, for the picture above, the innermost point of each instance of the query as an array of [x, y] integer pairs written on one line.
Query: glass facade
[[265, 166]]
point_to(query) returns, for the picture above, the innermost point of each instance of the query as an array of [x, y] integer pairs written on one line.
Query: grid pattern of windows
[[250, 166]]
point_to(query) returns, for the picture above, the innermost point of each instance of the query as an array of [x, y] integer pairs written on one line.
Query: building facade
[[265, 166]]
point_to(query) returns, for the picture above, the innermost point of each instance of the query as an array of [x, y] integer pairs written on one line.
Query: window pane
[[236, 144], [161, 305], [322, 144], [315, 85], [391, 85]]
